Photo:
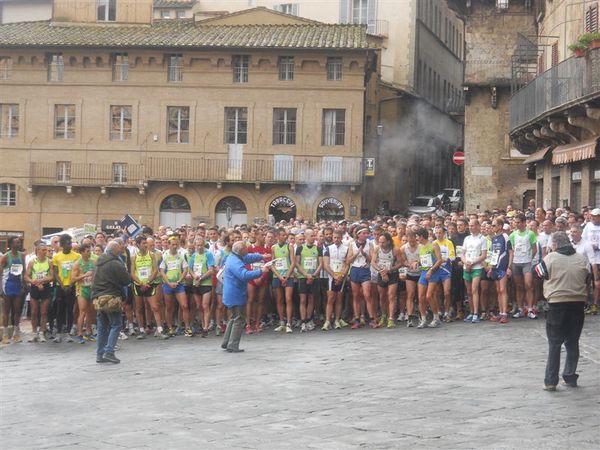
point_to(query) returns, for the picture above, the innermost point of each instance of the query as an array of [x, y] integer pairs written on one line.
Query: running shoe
[[435, 323], [402, 317], [211, 325], [288, 328], [123, 336], [337, 325], [356, 325], [409, 322], [343, 323], [503, 319], [280, 328], [171, 332], [90, 338], [303, 327], [258, 328], [42, 338], [5, 339], [249, 329], [382, 321], [188, 332], [363, 322], [475, 319], [73, 331], [34, 338], [204, 332], [483, 316], [519, 314], [391, 323], [422, 324], [69, 338], [311, 325], [460, 315], [550, 388], [57, 339], [374, 324], [447, 318], [592, 309], [326, 326], [494, 318], [222, 327], [532, 314], [469, 318], [80, 339]]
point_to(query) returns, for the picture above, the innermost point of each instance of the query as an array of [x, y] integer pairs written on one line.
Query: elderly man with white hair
[[565, 275], [235, 291]]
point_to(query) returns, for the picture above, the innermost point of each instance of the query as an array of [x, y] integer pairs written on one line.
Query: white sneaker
[[42, 338], [123, 336], [422, 323], [310, 326], [69, 338], [532, 314], [73, 331], [326, 326], [337, 325], [288, 328], [33, 338], [280, 328], [435, 323], [303, 328], [519, 314]]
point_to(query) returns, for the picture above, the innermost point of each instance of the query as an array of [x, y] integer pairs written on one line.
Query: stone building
[[179, 121], [555, 112], [413, 117]]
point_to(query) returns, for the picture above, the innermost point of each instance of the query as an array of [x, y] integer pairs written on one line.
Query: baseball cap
[[595, 212]]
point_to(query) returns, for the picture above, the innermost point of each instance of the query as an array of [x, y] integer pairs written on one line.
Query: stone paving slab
[[460, 386]]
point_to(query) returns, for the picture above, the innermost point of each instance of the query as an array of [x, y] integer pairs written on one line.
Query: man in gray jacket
[[110, 277], [565, 274]]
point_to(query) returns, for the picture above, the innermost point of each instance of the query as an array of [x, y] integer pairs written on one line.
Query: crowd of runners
[[417, 272]]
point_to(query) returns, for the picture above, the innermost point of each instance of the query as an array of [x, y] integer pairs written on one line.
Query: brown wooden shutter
[[555, 54], [591, 19]]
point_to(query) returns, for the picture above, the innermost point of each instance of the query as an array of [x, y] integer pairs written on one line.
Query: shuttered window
[[555, 54], [591, 19]]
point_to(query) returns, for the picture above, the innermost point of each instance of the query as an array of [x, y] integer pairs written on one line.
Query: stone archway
[[175, 211], [230, 211]]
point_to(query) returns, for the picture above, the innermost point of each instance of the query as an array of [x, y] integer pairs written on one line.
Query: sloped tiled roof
[[174, 3], [183, 34]]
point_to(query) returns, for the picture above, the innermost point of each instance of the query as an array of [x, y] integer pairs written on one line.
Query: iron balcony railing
[[218, 168], [563, 84]]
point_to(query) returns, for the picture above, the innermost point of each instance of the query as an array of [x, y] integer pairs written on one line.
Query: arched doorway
[[175, 211], [283, 208], [330, 208], [230, 211]]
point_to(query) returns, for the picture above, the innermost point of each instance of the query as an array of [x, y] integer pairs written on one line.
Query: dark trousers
[[563, 326], [235, 327], [65, 301], [458, 286]]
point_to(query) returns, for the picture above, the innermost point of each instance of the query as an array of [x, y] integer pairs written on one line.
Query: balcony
[[571, 82], [378, 27], [215, 169]]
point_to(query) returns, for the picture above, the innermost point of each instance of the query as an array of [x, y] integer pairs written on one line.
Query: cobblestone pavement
[[460, 386]]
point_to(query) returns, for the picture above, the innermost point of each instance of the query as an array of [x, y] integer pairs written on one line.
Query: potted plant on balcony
[[591, 40], [578, 48]]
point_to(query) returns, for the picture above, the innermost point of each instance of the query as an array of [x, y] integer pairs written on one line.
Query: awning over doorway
[[537, 156], [578, 151]]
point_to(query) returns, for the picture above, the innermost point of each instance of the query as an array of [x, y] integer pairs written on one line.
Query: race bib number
[[459, 251], [336, 266], [280, 265], [87, 281], [310, 263], [402, 271], [143, 273], [198, 269], [494, 258], [445, 253], [426, 261], [67, 266], [520, 251], [16, 269], [40, 275], [172, 265], [258, 265], [471, 256], [385, 265]]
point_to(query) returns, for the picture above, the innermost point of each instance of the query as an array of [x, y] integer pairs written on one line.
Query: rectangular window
[[56, 67], [9, 120], [8, 194], [284, 126], [178, 130], [119, 173], [175, 67], [106, 10], [5, 67], [120, 66], [359, 11], [286, 68], [165, 14], [63, 171], [120, 123], [555, 54], [334, 127], [334, 68], [591, 19], [181, 14], [64, 121], [240, 65], [287, 8], [236, 125]]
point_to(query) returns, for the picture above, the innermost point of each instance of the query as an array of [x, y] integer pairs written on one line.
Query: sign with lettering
[[369, 167]]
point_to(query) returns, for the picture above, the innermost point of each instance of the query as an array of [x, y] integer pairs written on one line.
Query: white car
[[424, 204]]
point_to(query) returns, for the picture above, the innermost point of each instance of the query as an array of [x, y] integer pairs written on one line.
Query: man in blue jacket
[[235, 292]]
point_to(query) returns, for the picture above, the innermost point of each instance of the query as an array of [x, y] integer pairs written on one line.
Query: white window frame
[[119, 173], [182, 135], [284, 129], [120, 66], [175, 68], [5, 68], [233, 116], [63, 171], [108, 5], [7, 115], [334, 68], [239, 65], [332, 135], [56, 67], [8, 194], [181, 14], [286, 68], [360, 11], [124, 112], [62, 132], [165, 14]]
